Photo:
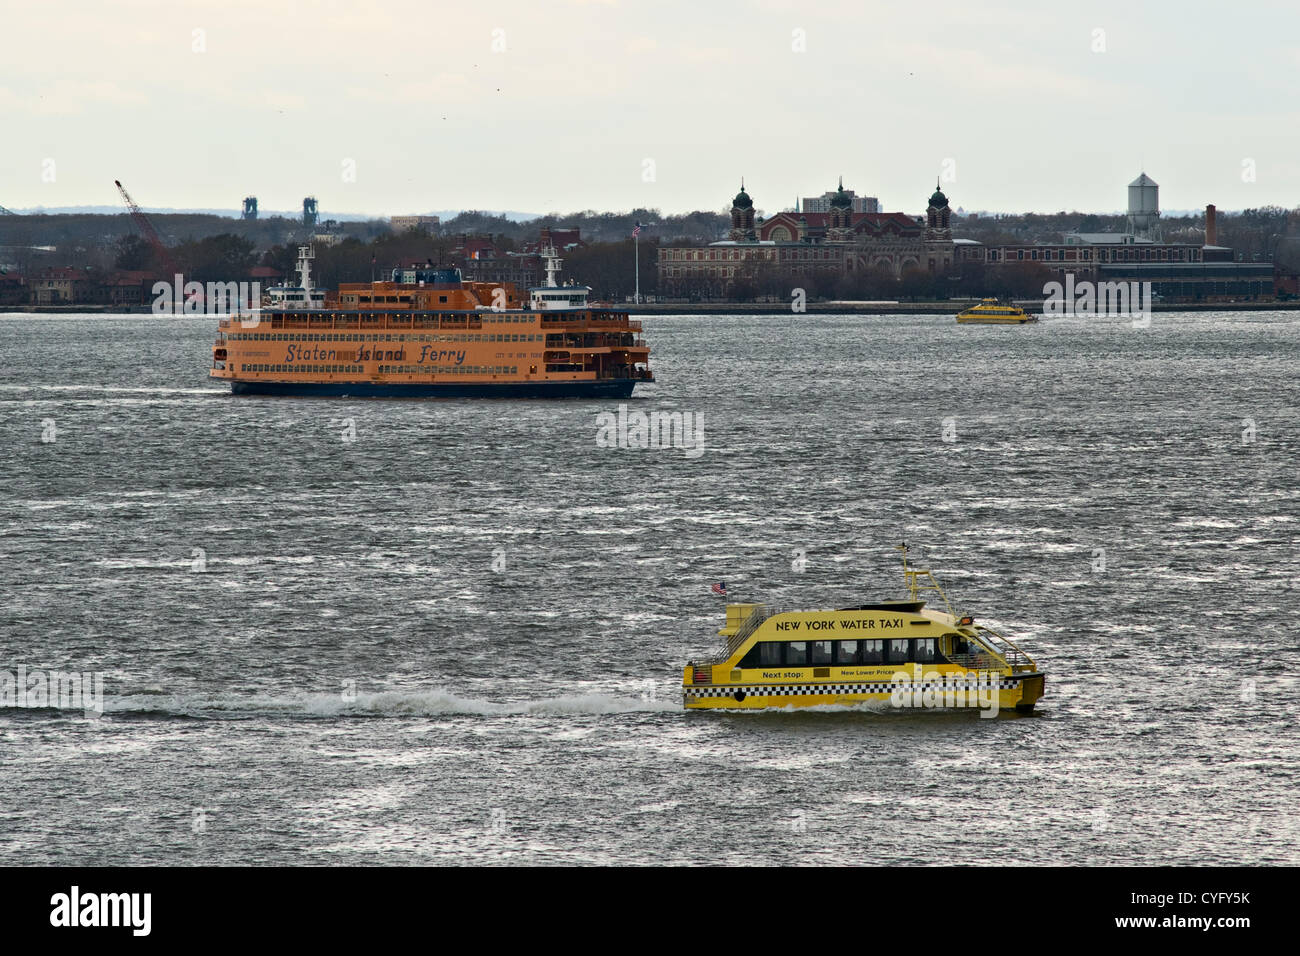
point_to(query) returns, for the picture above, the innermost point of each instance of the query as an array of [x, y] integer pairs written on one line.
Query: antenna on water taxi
[[909, 579], [915, 585]]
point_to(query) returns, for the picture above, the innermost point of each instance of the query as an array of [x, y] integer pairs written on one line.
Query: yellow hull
[[995, 319], [988, 692]]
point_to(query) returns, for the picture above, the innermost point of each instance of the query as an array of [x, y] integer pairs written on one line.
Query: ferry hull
[[1014, 692], [618, 388]]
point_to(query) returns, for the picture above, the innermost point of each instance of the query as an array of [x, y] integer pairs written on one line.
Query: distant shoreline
[[749, 308], [1033, 306]]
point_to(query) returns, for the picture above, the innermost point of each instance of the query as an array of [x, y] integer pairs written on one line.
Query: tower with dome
[[742, 217]]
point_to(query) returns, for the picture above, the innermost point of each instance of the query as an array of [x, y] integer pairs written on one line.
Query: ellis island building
[[793, 246]]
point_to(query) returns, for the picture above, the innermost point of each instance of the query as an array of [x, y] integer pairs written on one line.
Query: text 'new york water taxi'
[[897, 653]]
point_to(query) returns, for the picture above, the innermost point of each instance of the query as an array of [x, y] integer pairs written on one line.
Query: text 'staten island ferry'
[[992, 312], [428, 333], [897, 653]]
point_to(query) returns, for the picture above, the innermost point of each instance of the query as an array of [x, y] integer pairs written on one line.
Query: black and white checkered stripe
[[798, 690]]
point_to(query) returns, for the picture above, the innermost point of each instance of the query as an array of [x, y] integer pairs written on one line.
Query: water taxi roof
[[906, 607]]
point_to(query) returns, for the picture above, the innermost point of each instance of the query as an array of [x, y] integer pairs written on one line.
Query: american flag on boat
[[719, 588]]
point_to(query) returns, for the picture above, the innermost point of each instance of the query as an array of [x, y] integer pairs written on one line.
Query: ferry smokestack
[[1211, 226]]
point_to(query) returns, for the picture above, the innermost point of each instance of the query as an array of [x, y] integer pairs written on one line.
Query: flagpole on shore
[[636, 255]]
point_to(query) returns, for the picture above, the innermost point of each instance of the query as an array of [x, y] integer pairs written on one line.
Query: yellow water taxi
[[992, 312], [898, 654]]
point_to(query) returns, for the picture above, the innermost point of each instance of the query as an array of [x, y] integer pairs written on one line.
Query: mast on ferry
[[305, 255], [553, 262]]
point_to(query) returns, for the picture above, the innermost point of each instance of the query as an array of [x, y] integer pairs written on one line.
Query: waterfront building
[[1176, 270], [60, 286], [481, 260], [797, 244], [407, 223], [129, 287], [13, 289], [822, 203]]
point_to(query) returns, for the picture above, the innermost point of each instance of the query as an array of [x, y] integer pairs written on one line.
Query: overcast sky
[[610, 105]]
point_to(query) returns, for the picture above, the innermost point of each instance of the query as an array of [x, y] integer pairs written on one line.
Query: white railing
[[1016, 659], [759, 614]]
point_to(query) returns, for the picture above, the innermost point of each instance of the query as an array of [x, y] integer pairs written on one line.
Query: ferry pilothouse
[[897, 654], [427, 332]]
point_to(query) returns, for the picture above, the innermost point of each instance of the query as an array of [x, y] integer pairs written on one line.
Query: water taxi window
[[925, 651], [873, 652], [898, 650], [821, 652], [847, 652], [769, 654], [796, 652]]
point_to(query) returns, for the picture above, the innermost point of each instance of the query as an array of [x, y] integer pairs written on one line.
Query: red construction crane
[[146, 228]]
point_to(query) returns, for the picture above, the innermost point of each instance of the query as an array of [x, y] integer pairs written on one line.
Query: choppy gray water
[[459, 637]]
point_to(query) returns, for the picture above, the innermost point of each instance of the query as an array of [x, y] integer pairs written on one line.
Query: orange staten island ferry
[[429, 333]]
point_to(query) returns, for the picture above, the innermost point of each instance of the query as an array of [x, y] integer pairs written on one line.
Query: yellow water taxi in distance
[[898, 654], [992, 312]]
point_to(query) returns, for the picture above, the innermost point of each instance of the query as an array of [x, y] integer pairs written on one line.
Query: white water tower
[[1143, 206]]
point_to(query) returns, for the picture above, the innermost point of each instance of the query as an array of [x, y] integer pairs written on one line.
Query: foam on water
[[415, 703]]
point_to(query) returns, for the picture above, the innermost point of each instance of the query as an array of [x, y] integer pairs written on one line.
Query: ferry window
[[898, 649], [796, 652], [769, 654], [846, 652], [751, 658], [821, 652], [924, 651], [873, 652]]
